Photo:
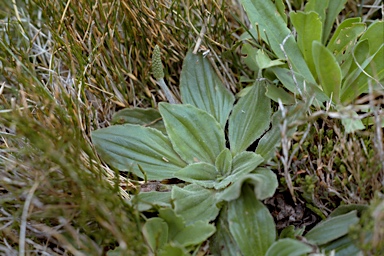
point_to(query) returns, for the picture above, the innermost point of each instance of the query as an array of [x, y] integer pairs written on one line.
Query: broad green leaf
[[273, 31], [281, 9], [332, 228], [373, 32], [146, 117], [250, 56], [308, 90], [346, 24], [343, 209], [333, 10], [195, 135], [278, 93], [263, 180], [343, 246], [249, 119], [309, 29], [242, 164], [202, 174], [341, 45], [155, 231], [328, 71], [223, 162], [288, 247], [251, 224], [268, 144], [173, 250], [185, 234], [147, 200], [201, 87], [319, 7], [222, 242], [358, 81], [126, 146], [195, 203], [264, 62]]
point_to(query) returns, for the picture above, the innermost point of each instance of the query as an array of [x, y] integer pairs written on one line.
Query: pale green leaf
[[195, 203], [155, 231], [343, 246], [250, 56], [264, 182], [332, 228], [308, 90], [202, 174], [173, 250], [268, 144], [147, 200], [222, 242], [251, 224], [201, 87], [281, 9], [182, 233], [328, 71], [126, 146], [250, 118], [278, 93], [319, 7], [264, 62], [342, 43], [288, 247], [223, 162], [273, 31], [309, 29], [333, 10], [195, 135], [373, 32], [242, 164]]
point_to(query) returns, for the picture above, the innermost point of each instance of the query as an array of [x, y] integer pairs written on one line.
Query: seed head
[[157, 65]]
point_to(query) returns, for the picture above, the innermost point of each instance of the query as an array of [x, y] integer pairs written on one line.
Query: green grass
[[65, 68]]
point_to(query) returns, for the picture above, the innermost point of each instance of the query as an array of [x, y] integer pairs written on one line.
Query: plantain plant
[[331, 68]]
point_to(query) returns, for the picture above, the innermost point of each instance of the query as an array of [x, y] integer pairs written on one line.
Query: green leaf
[[264, 62], [263, 180], [319, 7], [195, 135], [358, 81], [288, 247], [126, 146], [195, 203], [222, 242], [328, 71], [374, 31], [309, 29], [333, 10], [251, 224], [146, 200], [332, 228], [342, 43], [277, 93], [155, 231], [202, 174], [146, 117], [273, 31], [242, 164], [249, 119], [307, 90], [249, 59], [201, 87], [343, 246], [182, 233], [223, 162], [173, 250], [268, 144]]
